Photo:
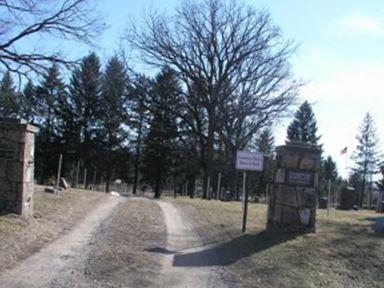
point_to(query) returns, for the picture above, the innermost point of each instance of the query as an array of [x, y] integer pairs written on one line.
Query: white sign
[[249, 161]]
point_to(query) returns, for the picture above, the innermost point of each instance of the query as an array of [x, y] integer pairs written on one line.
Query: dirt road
[[40, 269], [125, 242], [187, 265]]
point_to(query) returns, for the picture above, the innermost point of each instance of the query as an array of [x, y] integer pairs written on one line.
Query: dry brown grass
[[345, 251], [53, 216]]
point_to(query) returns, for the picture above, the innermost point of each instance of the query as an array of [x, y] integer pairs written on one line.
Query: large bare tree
[[231, 55], [24, 23]]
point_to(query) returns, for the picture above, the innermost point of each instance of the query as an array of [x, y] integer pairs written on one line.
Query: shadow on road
[[230, 252], [160, 250]]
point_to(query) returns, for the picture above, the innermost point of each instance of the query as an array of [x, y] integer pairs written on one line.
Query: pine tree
[[29, 103], [303, 127], [366, 156], [159, 142], [113, 115], [142, 87], [265, 143], [9, 105], [327, 172], [50, 91], [85, 91], [329, 168]]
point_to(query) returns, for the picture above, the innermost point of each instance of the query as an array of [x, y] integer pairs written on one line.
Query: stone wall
[[16, 167], [292, 206]]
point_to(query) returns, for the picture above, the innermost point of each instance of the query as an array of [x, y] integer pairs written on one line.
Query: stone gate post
[[16, 166], [292, 205]]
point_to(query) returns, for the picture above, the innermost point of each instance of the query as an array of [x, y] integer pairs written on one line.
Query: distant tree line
[[224, 77], [223, 80]]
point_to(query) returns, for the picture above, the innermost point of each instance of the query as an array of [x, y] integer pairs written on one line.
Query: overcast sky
[[340, 57]]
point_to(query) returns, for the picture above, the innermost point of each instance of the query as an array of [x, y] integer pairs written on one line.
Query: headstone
[[292, 204], [63, 183], [348, 198], [51, 190], [227, 196], [379, 226], [323, 203], [16, 166]]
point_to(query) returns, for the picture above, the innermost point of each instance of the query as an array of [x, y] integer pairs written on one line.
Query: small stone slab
[[63, 183], [379, 226], [50, 190]]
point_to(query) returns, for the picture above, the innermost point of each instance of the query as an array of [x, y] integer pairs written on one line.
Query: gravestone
[[292, 204], [323, 203], [348, 198], [16, 166], [379, 225], [63, 183]]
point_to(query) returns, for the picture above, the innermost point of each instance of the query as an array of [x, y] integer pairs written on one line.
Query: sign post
[[245, 202], [248, 161]]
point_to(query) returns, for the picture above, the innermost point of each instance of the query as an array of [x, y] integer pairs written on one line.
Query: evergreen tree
[[159, 142], [328, 172], [265, 143], [50, 92], [68, 135], [355, 180], [85, 91], [366, 156], [113, 115], [142, 87], [329, 168], [9, 106], [29, 103], [303, 127]]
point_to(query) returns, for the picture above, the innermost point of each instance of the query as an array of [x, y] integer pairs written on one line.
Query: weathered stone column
[[16, 166], [292, 205]]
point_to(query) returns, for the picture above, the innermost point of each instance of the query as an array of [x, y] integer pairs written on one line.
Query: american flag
[[343, 151]]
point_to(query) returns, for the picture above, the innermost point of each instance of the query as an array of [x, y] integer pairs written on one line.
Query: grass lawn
[[345, 251], [53, 216]]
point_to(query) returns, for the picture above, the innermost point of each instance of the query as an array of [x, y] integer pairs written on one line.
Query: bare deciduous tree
[[21, 21], [232, 55]]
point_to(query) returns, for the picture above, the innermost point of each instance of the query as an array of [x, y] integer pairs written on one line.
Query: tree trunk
[[193, 187], [209, 160], [137, 156], [108, 178], [107, 185], [157, 188], [361, 198]]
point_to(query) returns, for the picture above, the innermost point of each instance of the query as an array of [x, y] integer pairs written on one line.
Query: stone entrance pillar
[[292, 205], [16, 166]]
